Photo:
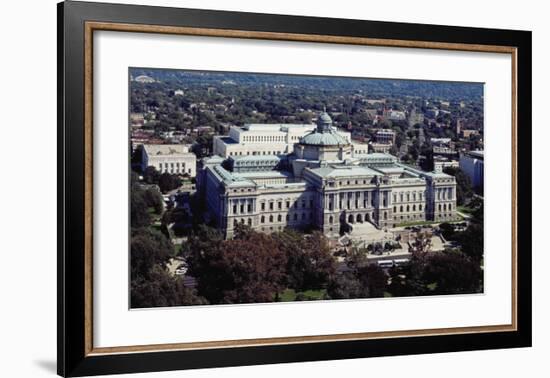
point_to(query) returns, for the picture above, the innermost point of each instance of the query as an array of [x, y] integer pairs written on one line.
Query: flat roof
[[344, 171]]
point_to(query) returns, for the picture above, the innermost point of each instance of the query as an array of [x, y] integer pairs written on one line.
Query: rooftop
[[335, 171], [476, 154], [166, 149], [275, 126]]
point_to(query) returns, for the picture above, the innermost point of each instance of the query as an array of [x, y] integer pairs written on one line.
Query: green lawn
[[465, 209], [289, 295], [419, 223]]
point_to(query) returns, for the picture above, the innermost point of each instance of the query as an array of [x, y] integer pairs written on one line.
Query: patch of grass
[[418, 223], [465, 210], [290, 295]]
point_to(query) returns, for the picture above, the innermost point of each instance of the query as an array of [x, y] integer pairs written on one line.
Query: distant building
[[443, 146], [441, 163], [263, 139], [431, 113], [178, 92], [383, 148], [440, 140], [396, 115], [137, 119], [144, 79], [385, 136], [467, 133], [169, 158], [471, 164]]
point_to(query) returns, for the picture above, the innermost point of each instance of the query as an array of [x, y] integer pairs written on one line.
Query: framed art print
[[240, 188]]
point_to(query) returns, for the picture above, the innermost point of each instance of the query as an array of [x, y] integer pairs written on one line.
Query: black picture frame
[[73, 360]]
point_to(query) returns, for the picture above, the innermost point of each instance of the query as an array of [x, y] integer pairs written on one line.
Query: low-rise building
[[471, 164], [169, 158], [386, 136]]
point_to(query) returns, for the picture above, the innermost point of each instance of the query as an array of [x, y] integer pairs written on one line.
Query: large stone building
[[320, 180], [169, 158], [472, 164]]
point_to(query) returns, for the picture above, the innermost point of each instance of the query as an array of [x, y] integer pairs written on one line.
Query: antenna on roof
[[324, 108]]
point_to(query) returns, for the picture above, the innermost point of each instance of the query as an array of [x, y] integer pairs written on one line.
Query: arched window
[[401, 208], [271, 219], [295, 216], [408, 208], [279, 218], [330, 219], [414, 207], [235, 222], [250, 221], [420, 207], [385, 215], [263, 219]]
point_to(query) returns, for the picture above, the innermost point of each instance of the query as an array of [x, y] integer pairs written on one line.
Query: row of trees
[[151, 285], [256, 267]]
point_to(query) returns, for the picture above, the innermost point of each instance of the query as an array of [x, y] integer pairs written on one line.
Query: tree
[[463, 184], [346, 286], [471, 241], [453, 273], [148, 248], [407, 279], [154, 199], [373, 279], [310, 264], [151, 175], [246, 270], [361, 280], [447, 230], [168, 182], [139, 217], [160, 289]]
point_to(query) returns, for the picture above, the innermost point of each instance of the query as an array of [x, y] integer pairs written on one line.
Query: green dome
[[331, 138]]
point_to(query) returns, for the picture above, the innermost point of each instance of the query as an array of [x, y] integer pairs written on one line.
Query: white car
[[181, 270]]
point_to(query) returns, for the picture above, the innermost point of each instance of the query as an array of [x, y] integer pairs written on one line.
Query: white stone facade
[[170, 158]]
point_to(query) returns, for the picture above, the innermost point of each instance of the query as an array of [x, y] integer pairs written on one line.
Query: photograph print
[[259, 188]]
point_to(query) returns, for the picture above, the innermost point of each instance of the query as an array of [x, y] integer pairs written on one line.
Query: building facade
[[169, 158], [320, 182], [472, 165]]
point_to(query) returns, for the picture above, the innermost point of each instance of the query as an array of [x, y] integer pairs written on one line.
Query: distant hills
[[381, 87]]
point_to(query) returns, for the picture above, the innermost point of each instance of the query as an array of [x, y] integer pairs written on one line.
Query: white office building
[[169, 158]]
